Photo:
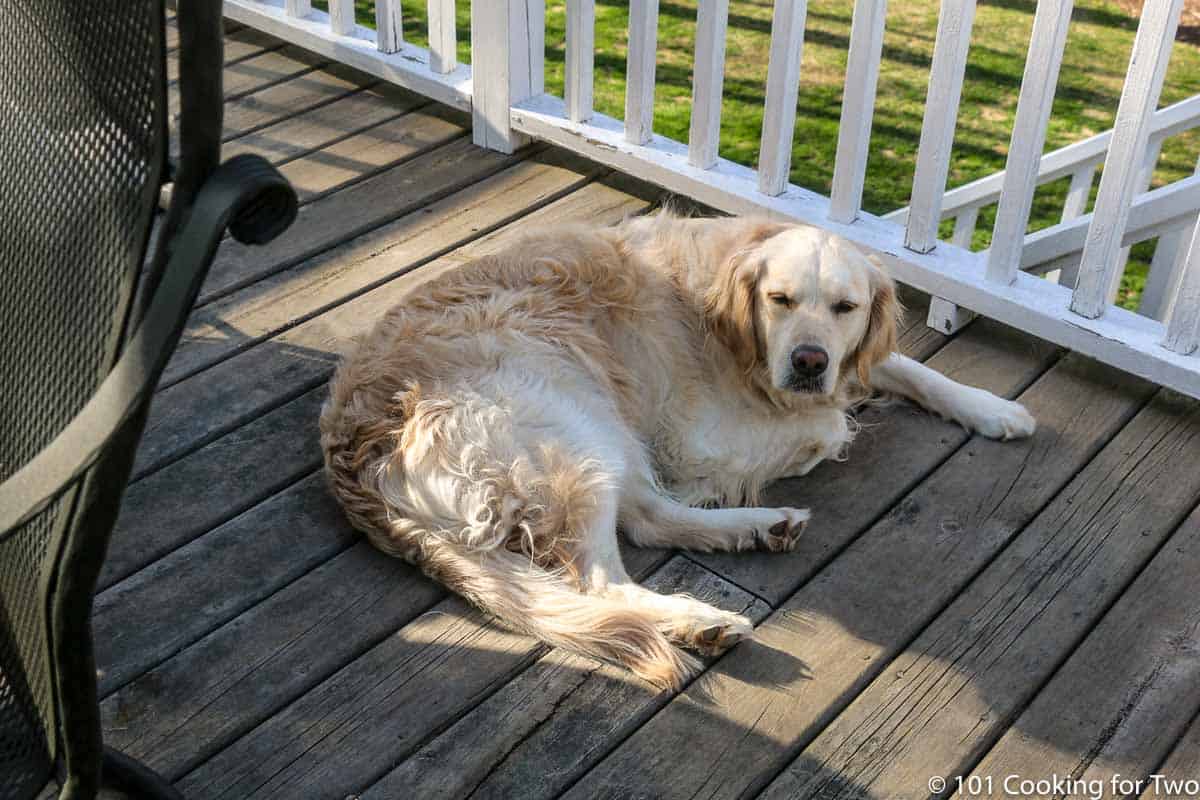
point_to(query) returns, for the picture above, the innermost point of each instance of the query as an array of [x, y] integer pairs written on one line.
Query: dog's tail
[[540, 603]]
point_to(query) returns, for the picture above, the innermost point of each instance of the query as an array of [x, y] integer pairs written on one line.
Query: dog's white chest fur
[[714, 453]]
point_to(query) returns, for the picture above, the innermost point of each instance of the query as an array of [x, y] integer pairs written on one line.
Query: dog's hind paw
[[784, 535], [713, 637]]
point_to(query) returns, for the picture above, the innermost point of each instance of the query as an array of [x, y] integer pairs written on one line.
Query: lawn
[[1094, 64]]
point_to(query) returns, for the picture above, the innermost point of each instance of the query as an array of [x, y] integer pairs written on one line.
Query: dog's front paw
[[783, 535], [997, 418]]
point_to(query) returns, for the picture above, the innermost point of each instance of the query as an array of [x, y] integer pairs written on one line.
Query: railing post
[[944, 316], [1078, 193], [507, 41], [1074, 206], [955, 19]]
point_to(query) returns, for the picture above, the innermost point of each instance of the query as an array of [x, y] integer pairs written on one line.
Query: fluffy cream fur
[[498, 425]]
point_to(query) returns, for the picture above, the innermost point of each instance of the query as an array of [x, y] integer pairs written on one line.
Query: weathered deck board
[[214, 484], [367, 204], [371, 151], [1127, 694], [192, 705], [1183, 764], [979, 662], [561, 710], [239, 45], [245, 76], [353, 726], [324, 125], [256, 73], [255, 110], [239, 320], [157, 611]]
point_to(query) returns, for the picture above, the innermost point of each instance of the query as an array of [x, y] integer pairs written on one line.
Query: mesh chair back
[[82, 139]]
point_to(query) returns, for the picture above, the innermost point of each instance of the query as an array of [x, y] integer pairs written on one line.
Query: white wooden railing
[[1085, 251]]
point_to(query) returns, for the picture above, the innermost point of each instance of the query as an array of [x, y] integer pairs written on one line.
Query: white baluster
[[1099, 265], [858, 108], [443, 38], [1046, 45], [1166, 271], [389, 27], [709, 70], [783, 86], [937, 129], [341, 17], [581, 47], [1183, 331], [297, 8], [639, 75]]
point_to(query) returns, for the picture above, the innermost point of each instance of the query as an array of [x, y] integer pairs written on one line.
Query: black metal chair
[[94, 290]]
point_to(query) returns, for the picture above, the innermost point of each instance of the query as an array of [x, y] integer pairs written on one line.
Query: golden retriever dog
[[499, 425]]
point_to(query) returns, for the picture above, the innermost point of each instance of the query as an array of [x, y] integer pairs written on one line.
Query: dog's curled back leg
[[544, 605], [499, 524]]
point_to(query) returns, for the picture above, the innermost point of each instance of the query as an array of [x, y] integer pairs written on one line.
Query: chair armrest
[[245, 194]]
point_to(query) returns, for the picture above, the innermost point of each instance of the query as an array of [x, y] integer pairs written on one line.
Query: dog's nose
[[809, 361]]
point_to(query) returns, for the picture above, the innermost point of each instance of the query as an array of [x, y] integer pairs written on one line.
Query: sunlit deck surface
[[959, 606]]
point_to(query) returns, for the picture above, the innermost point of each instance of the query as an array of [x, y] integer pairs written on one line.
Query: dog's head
[[804, 309]]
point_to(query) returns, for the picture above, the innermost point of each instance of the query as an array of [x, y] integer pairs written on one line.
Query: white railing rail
[[509, 106]]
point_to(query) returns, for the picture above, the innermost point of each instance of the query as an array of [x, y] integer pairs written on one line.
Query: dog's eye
[[844, 307], [780, 299]]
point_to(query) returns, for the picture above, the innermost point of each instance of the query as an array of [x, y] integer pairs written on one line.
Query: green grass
[[1094, 64]]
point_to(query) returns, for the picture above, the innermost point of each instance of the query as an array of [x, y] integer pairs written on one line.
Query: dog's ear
[[729, 301], [880, 339]]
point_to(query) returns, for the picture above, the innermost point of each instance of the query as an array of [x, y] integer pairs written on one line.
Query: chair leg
[[135, 779]]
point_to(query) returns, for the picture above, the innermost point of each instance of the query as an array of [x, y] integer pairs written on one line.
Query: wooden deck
[[959, 606]]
